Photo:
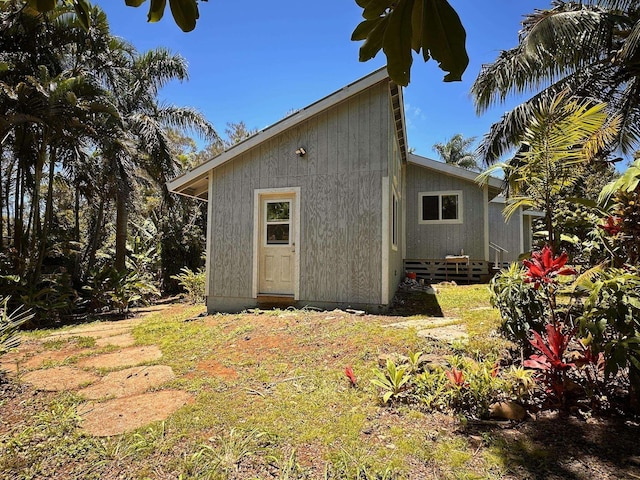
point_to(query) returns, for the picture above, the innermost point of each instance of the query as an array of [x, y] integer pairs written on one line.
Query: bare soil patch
[[126, 357], [214, 369], [59, 379], [131, 381], [125, 414]]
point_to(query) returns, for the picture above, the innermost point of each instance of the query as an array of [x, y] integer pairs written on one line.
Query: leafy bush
[[113, 290], [521, 307], [471, 387], [466, 387], [611, 319], [193, 283], [9, 325], [393, 381]]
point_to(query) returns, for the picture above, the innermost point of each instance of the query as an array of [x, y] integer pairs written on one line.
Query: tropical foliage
[[560, 137], [589, 49], [86, 149], [457, 151], [398, 27]]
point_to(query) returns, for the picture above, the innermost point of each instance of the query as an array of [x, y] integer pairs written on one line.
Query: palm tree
[[561, 136], [47, 115], [456, 151], [140, 145], [590, 49]]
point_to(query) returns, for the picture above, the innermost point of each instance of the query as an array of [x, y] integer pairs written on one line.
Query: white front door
[[276, 258]]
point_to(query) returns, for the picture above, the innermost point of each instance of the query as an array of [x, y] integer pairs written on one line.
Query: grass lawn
[[271, 400]]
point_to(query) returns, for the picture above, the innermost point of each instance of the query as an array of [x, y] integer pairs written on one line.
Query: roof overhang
[[397, 105], [194, 183], [496, 185]]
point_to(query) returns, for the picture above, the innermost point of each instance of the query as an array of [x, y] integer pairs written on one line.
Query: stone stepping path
[[126, 357], [128, 382], [446, 329], [120, 415], [130, 404], [59, 379]]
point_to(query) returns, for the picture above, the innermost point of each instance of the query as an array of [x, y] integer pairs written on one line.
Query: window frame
[[440, 220], [267, 223]]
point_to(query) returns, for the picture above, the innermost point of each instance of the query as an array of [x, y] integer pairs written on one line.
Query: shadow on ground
[[408, 302], [564, 447]]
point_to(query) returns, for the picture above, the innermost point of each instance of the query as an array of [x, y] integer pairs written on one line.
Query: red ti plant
[[542, 270], [348, 371], [550, 360], [612, 225], [456, 377], [544, 267]]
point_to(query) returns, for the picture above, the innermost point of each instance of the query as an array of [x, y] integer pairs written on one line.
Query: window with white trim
[[278, 222], [440, 207]]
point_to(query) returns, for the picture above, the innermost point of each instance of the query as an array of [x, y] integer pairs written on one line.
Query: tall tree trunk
[[76, 215], [35, 222], [1, 202], [48, 215], [122, 219], [92, 248], [7, 204], [18, 211]]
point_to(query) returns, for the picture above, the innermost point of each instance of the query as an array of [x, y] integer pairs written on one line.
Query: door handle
[[293, 247]]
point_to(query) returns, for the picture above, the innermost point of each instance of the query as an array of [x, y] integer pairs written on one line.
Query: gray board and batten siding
[[340, 180], [437, 240], [507, 234]]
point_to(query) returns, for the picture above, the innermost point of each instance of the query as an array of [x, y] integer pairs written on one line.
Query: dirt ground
[[122, 394]]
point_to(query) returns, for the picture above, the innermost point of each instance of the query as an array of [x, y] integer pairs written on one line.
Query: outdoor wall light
[[301, 152]]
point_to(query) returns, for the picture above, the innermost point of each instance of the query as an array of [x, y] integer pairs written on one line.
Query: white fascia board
[[533, 213], [452, 170], [279, 127]]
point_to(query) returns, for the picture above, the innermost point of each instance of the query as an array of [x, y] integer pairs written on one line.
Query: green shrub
[[471, 387], [611, 319], [113, 290], [193, 283], [9, 325], [467, 387], [521, 306]]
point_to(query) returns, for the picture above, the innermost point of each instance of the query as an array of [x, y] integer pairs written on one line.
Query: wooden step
[[272, 300]]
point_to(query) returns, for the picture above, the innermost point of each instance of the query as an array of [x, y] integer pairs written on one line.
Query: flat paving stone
[[95, 331], [52, 356], [9, 368], [426, 322], [58, 379], [123, 340], [444, 334], [121, 415], [128, 382], [127, 357], [446, 329]]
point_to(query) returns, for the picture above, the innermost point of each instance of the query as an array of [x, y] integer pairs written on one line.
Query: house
[[508, 239], [325, 207]]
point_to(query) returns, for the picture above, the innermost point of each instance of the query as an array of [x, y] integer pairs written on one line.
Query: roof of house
[[194, 183], [496, 185]]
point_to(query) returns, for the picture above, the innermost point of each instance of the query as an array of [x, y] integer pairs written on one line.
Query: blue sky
[[254, 61]]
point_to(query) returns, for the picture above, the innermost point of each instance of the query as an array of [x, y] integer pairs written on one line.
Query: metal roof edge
[[454, 170], [182, 181]]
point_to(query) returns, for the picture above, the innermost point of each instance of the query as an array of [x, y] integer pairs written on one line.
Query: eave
[[194, 183]]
